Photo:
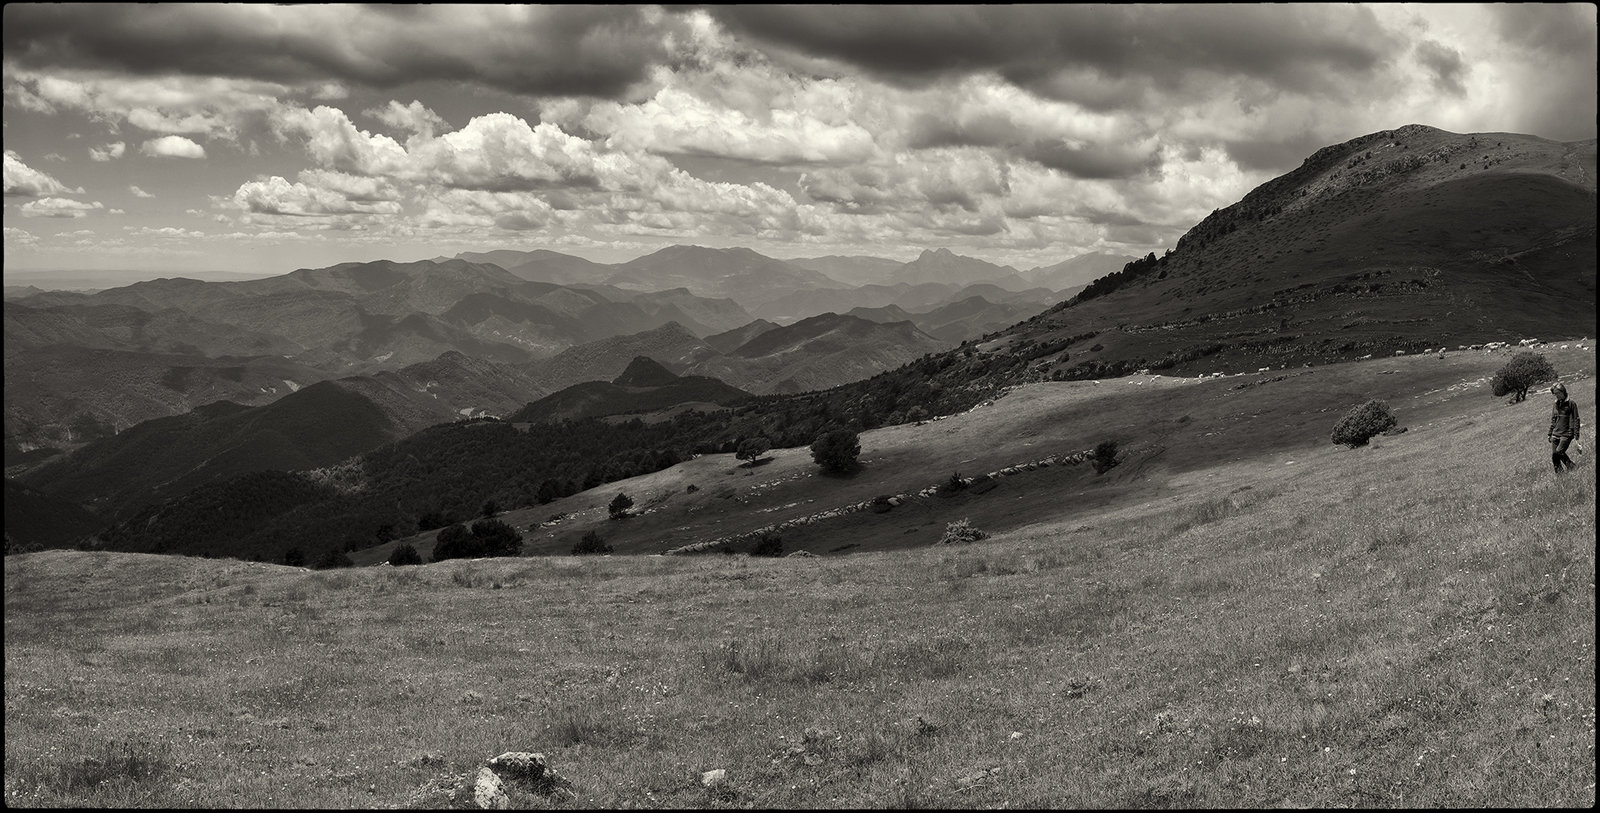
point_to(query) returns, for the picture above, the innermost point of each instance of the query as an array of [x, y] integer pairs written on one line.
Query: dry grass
[[1408, 624]]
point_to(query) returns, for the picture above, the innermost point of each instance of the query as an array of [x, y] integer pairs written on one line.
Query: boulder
[[714, 778], [489, 792]]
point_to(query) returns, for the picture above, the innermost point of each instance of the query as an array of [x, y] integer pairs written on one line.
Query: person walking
[[1563, 428]]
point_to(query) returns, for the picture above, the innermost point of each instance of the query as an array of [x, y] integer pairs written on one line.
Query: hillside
[[671, 345], [740, 274], [818, 353], [645, 386], [1078, 271], [1401, 240], [316, 426], [1268, 620]]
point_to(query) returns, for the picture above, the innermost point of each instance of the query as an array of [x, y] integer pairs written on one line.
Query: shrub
[[1363, 423], [334, 558], [294, 557], [1524, 371], [954, 484], [753, 448], [490, 508], [620, 505], [488, 537], [767, 544], [1105, 456], [836, 451], [961, 531], [590, 544], [881, 505], [405, 555]]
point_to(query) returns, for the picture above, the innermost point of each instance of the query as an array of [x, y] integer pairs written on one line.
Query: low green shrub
[[1363, 423]]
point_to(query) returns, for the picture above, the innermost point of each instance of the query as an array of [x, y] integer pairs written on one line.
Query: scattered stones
[[801, 554], [471, 698], [498, 784], [976, 778]]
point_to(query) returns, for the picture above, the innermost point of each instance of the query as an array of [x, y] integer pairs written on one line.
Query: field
[[1239, 615]]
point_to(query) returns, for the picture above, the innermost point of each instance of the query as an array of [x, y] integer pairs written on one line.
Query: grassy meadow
[[1241, 615]]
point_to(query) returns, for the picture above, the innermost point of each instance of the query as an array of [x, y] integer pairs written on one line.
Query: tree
[[1105, 456], [1363, 423], [405, 554], [590, 544], [836, 451], [495, 538], [454, 542], [294, 557], [620, 505], [490, 508], [753, 448], [1523, 372]]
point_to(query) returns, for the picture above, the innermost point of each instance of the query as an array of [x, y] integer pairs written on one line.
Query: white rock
[[714, 778]]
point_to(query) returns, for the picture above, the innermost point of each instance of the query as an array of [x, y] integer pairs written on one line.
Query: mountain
[[61, 396], [883, 315], [543, 266], [973, 317], [818, 353], [1078, 271], [740, 274], [941, 265], [1396, 241], [34, 518], [316, 426], [645, 386], [727, 341], [852, 270], [671, 345], [124, 327]]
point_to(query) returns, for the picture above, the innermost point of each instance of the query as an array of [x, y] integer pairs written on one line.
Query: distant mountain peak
[[644, 371]]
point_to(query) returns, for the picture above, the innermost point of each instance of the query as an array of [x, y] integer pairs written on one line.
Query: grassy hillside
[[1271, 620]]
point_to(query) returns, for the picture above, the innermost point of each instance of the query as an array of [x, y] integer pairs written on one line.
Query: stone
[[488, 791], [714, 778]]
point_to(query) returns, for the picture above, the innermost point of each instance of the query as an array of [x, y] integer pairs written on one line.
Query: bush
[[880, 504], [590, 544], [1523, 372], [954, 484], [1363, 423], [1105, 456], [294, 557], [961, 531], [405, 555], [836, 451], [333, 559], [620, 505], [767, 544]]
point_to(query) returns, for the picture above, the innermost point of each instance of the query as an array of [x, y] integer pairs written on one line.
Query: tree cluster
[[487, 537]]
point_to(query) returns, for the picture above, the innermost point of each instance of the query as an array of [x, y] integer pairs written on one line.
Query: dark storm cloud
[[559, 50], [1274, 153], [1098, 162], [1446, 65], [1302, 47]]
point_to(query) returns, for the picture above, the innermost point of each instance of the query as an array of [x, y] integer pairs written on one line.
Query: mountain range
[[1389, 243]]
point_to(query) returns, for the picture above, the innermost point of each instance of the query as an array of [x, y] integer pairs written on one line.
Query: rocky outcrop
[[510, 780]]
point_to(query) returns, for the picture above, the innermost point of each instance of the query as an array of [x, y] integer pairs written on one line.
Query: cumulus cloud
[[58, 207], [210, 106], [409, 118], [277, 196], [559, 50], [24, 181], [108, 152], [139, 193], [172, 146]]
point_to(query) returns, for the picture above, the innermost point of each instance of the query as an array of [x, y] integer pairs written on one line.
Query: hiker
[[1563, 428]]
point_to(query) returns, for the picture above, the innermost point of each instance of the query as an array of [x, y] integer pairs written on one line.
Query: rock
[[714, 778], [801, 554], [489, 792]]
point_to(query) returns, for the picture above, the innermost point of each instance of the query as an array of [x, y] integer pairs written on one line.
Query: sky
[[163, 139]]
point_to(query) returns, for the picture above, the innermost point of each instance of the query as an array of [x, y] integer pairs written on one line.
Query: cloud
[[557, 50], [277, 196], [24, 181], [335, 142], [139, 193], [410, 118], [110, 151], [1308, 47], [172, 147], [214, 107], [19, 238], [1445, 66], [58, 207]]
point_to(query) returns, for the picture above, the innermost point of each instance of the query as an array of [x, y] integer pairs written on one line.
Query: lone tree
[[1363, 423], [836, 451], [752, 449], [1523, 372], [620, 505], [767, 544]]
